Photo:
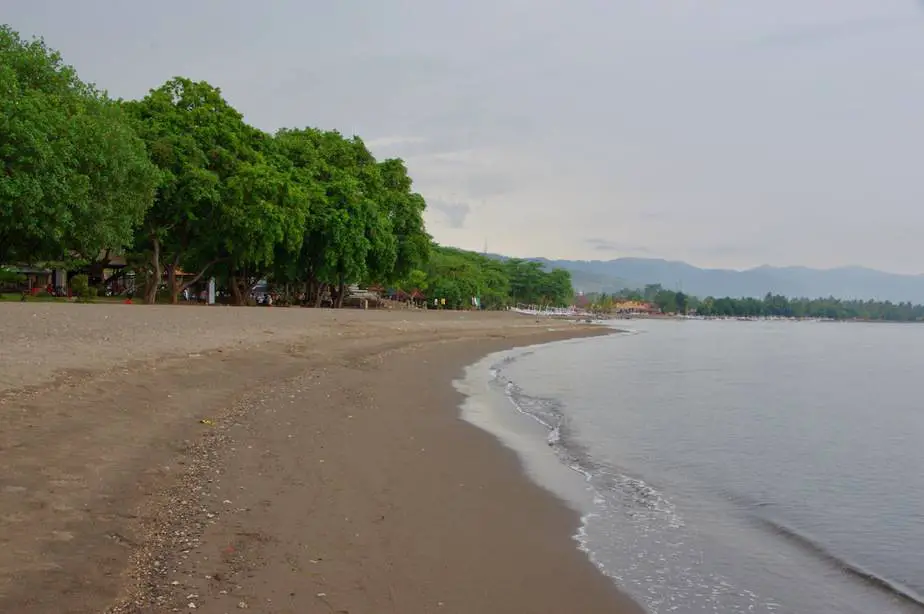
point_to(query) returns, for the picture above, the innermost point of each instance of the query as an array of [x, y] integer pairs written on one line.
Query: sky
[[723, 133]]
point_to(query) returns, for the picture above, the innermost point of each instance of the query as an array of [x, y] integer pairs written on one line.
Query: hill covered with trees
[[844, 283]]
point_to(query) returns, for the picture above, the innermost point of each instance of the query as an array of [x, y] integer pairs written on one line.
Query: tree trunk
[[153, 282], [171, 281], [317, 289], [191, 282], [237, 296], [341, 290], [97, 270]]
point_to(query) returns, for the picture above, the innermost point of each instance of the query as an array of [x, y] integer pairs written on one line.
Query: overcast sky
[[720, 132]]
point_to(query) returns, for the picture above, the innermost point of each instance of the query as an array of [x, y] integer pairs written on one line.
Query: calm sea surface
[[730, 466]]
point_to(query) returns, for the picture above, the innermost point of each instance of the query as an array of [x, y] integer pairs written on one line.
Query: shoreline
[[343, 480]]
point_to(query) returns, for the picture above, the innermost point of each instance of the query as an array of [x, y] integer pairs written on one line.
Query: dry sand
[[158, 459]]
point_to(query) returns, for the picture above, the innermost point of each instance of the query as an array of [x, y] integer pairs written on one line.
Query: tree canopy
[[458, 276], [180, 184], [76, 178], [776, 305], [225, 197]]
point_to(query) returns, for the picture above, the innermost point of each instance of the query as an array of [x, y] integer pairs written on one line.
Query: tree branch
[[201, 273]]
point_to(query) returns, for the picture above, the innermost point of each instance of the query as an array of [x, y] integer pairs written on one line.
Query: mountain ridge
[[844, 282]]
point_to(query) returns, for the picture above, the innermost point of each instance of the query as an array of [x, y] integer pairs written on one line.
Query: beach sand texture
[[158, 459]]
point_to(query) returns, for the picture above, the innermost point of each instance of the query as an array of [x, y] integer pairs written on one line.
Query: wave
[[894, 589], [636, 497], [650, 523], [633, 533], [549, 413]]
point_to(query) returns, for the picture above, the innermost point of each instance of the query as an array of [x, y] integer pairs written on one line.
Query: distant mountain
[[844, 282]]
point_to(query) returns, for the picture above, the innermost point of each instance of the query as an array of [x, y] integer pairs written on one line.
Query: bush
[[10, 280], [80, 284], [11, 277]]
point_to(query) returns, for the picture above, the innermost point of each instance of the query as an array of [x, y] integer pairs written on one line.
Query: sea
[[728, 466]]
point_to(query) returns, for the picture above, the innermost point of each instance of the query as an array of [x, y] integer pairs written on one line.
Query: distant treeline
[[775, 305], [459, 275]]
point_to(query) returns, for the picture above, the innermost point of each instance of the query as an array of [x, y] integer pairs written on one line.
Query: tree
[[78, 179], [651, 291], [525, 280], [404, 210], [666, 301], [556, 287], [602, 304], [630, 294], [220, 200], [300, 151], [366, 224], [344, 226], [680, 300], [262, 211], [341, 241], [458, 276]]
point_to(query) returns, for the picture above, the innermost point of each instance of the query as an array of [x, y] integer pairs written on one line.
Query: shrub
[[80, 284], [11, 278]]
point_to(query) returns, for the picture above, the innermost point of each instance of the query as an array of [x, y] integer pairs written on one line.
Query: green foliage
[[458, 276], [600, 302], [178, 183], [775, 305], [651, 292], [219, 200], [666, 301], [8, 277], [365, 225], [77, 179], [531, 284], [80, 285], [404, 211]]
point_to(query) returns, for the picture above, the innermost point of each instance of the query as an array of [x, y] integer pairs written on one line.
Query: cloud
[[676, 130], [454, 212], [605, 245], [820, 33], [474, 174], [394, 142], [726, 250]]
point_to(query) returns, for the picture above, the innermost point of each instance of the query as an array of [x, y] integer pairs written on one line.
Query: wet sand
[[158, 459]]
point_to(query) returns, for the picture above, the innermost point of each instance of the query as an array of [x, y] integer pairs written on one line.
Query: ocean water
[[729, 466]]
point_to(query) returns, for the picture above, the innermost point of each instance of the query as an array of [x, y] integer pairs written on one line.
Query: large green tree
[[366, 225], [263, 211], [338, 237], [225, 201], [404, 210], [76, 179], [458, 276], [530, 283]]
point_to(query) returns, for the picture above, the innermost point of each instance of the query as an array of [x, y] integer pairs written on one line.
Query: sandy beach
[[159, 459]]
